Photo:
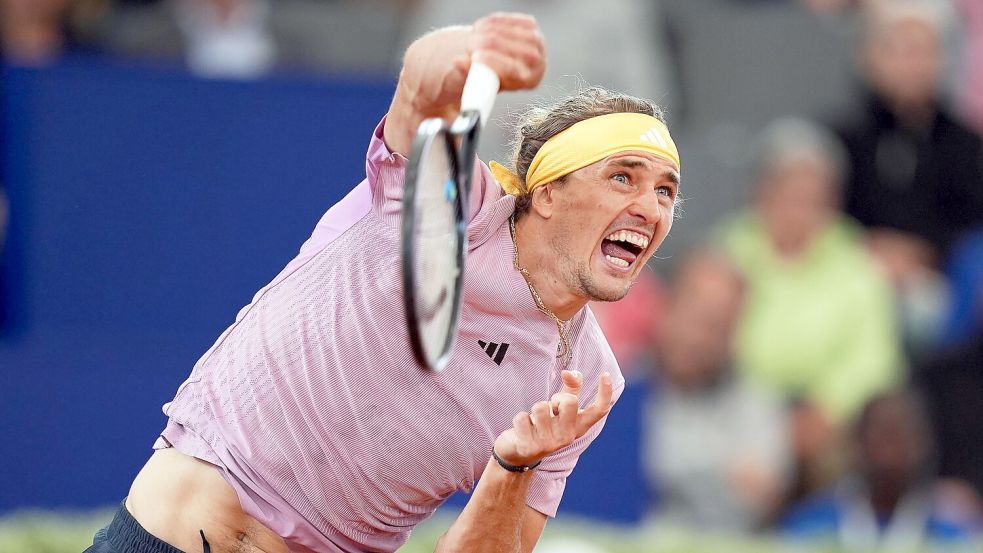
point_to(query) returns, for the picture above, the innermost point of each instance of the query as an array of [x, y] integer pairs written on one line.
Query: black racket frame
[[461, 140]]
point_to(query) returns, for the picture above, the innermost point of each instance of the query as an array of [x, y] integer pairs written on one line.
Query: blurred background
[[804, 357]]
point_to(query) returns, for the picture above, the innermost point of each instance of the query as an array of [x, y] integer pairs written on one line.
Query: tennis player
[[309, 426]]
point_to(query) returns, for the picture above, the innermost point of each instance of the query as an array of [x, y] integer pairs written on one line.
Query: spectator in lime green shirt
[[820, 319], [819, 323]]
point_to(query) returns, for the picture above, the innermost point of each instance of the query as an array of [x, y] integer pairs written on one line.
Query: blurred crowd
[[814, 349], [818, 364]]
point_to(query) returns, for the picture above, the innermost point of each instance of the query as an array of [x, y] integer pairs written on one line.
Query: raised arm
[[496, 518], [436, 65]]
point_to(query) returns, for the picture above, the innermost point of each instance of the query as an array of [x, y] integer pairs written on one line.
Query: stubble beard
[[580, 278], [589, 287]]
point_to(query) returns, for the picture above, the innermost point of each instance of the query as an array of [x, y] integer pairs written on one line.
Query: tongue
[[614, 249]]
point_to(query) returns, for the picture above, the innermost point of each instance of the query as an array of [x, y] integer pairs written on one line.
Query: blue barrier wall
[[147, 207]]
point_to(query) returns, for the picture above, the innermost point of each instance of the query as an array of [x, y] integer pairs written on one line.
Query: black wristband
[[514, 468]]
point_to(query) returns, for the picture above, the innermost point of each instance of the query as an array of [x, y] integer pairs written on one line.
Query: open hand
[[552, 425]]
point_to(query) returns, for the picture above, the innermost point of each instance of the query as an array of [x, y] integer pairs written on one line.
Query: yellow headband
[[589, 141]]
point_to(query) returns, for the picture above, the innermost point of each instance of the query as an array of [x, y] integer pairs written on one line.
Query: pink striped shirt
[[315, 410]]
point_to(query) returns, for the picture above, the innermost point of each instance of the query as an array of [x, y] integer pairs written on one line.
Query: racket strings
[[435, 245], [563, 350]]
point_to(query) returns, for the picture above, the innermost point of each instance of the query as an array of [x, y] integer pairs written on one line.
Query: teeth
[[617, 261], [635, 238]]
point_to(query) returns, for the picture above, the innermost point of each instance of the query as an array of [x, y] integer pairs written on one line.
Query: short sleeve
[[385, 172], [550, 479]]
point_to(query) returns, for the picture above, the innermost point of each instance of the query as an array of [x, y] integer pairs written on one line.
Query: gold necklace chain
[[563, 348]]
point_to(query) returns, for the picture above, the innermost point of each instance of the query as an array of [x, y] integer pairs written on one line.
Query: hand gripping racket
[[435, 204]]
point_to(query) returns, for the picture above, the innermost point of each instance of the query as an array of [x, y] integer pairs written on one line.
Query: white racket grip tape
[[480, 89]]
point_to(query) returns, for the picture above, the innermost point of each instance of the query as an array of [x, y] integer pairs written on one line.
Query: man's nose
[[648, 208]]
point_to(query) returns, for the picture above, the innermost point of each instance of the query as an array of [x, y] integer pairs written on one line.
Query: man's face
[[797, 200], [892, 441], [695, 347], [904, 61], [608, 220]]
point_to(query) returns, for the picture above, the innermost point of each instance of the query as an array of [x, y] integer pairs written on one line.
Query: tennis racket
[[435, 204]]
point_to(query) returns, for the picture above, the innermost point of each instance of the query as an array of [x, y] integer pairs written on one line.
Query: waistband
[[124, 533]]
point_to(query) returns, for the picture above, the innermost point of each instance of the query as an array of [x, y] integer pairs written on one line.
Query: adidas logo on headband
[[653, 136]]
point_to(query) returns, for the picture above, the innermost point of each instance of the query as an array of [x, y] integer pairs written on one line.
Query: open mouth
[[622, 248]]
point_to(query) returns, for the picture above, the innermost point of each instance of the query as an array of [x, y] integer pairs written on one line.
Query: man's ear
[[543, 200]]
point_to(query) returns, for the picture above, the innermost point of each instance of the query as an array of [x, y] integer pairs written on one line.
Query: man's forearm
[[493, 519], [497, 519]]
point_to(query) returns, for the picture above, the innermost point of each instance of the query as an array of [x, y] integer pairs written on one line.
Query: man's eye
[[620, 177], [664, 191]]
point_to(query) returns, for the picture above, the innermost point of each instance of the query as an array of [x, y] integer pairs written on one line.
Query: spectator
[[819, 325], [917, 173], [32, 31], [717, 451], [248, 38], [217, 38], [891, 499], [632, 326], [820, 319]]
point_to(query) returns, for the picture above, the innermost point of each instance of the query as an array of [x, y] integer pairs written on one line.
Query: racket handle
[[480, 89]]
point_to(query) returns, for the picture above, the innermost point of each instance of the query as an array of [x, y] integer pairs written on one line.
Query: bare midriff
[[176, 497]]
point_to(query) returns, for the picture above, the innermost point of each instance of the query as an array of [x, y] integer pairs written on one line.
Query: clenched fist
[[436, 66]]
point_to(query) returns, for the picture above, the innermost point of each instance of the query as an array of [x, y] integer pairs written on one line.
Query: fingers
[[567, 408], [597, 410], [551, 426], [542, 422], [527, 48], [522, 423], [512, 45], [553, 430], [513, 72], [605, 391], [573, 381], [461, 64], [453, 81]]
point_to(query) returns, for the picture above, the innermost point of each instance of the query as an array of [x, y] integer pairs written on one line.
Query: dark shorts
[[125, 535]]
